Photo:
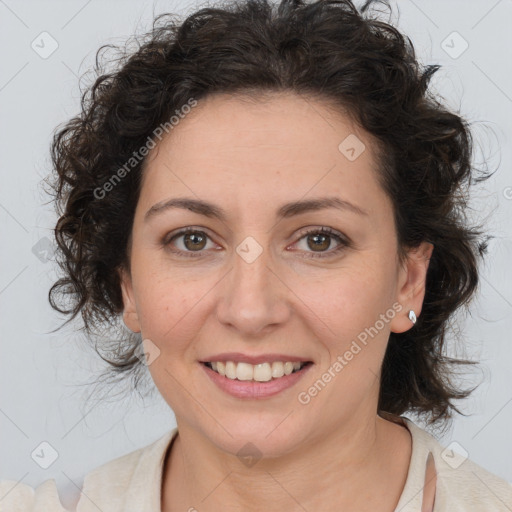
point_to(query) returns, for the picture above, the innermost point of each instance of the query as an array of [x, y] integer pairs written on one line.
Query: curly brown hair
[[328, 50]]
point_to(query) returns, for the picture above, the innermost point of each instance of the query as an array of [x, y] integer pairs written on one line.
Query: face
[[263, 281]]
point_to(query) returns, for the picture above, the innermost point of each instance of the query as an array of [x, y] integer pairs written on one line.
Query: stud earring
[[412, 316]]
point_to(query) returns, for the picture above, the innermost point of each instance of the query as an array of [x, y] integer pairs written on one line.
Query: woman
[[271, 201]]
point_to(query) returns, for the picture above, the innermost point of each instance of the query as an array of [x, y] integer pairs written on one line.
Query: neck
[[331, 472]]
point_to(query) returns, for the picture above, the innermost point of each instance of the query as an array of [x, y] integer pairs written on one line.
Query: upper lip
[[238, 357]]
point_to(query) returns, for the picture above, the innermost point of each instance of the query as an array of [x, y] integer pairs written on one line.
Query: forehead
[[279, 147]]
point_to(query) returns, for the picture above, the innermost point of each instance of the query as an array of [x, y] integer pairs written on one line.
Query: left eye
[[195, 240], [321, 239]]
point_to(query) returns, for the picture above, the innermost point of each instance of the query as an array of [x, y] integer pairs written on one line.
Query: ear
[[411, 286], [130, 317]]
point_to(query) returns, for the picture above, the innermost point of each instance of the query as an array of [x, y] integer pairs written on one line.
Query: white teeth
[[230, 370], [277, 369], [262, 372], [244, 371]]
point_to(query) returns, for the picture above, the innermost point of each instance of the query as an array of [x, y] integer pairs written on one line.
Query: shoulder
[[132, 478], [103, 486], [461, 483], [19, 497]]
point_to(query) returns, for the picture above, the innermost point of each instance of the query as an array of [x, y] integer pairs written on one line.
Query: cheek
[[347, 308], [168, 308], [345, 297]]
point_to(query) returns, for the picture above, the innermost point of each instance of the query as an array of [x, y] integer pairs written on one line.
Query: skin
[[250, 157]]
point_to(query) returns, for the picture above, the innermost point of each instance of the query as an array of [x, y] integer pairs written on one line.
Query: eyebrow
[[285, 211]]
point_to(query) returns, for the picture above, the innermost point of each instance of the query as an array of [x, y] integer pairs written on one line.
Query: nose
[[254, 297]]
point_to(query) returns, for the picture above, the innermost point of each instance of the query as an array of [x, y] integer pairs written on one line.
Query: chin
[[265, 436]]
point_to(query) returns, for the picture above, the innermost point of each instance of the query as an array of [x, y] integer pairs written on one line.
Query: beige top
[[132, 483]]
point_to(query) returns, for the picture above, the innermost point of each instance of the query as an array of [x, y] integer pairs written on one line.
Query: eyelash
[[344, 243]]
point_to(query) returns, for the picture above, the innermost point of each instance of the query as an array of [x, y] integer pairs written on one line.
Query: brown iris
[[316, 237], [197, 240]]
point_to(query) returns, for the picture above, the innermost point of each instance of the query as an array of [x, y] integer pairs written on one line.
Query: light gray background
[[41, 375]]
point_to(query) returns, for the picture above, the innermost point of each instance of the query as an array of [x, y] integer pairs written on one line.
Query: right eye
[[193, 242]]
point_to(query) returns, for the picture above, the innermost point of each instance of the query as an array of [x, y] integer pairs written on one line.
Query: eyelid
[[183, 231], [322, 229]]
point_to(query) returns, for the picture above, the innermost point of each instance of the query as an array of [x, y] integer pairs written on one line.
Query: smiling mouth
[[263, 372]]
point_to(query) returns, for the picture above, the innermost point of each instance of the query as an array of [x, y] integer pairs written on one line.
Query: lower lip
[[253, 389]]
